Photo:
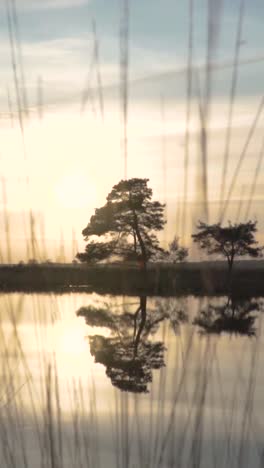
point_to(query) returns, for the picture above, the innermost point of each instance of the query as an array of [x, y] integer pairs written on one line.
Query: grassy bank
[[160, 279]]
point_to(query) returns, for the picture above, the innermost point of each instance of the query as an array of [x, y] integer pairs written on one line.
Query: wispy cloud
[[46, 4]]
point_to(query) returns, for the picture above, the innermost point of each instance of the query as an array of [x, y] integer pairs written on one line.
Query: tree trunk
[[230, 271], [140, 240], [135, 242], [230, 264], [143, 310]]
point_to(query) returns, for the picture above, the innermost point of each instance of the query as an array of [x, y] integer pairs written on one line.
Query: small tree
[[128, 223], [176, 253], [234, 317], [234, 240]]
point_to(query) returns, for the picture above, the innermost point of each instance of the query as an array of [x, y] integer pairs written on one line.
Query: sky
[[60, 157]]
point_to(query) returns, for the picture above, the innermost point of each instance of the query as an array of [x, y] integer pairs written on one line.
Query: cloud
[[63, 65], [49, 4]]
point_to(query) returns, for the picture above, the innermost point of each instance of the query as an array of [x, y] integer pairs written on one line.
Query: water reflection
[[130, 353], [127, 343], [236, 316], [205, 407]]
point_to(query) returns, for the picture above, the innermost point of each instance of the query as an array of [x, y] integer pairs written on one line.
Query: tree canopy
[[234, 240], [176, 253], [127, 224], [234, 317], [130, 353]]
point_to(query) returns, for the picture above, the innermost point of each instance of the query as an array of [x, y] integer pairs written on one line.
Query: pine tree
[[127, 224]]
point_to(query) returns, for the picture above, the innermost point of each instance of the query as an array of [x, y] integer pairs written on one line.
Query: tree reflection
[[174, 311], [129, 354], [234, 317]]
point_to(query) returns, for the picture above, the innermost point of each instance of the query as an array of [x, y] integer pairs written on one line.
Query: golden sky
[[63, 162]]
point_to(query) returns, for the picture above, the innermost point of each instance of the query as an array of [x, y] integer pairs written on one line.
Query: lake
[[94, 380]]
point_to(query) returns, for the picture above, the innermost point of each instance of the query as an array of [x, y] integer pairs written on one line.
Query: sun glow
[[75, 191]]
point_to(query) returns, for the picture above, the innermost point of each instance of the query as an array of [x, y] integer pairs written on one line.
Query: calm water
[[96, 381]]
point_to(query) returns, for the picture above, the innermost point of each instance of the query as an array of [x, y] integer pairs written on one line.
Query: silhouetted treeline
[[204, 278]]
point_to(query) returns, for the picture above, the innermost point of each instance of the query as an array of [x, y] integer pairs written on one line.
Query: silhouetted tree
[[32, 261], [234, 240], [128, 354], [233, 317], [98, 317], [127, 369], [176, 253], [128, 223], [96, 251]]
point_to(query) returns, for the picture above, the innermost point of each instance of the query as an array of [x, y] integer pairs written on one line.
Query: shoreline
[[195, 278]]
